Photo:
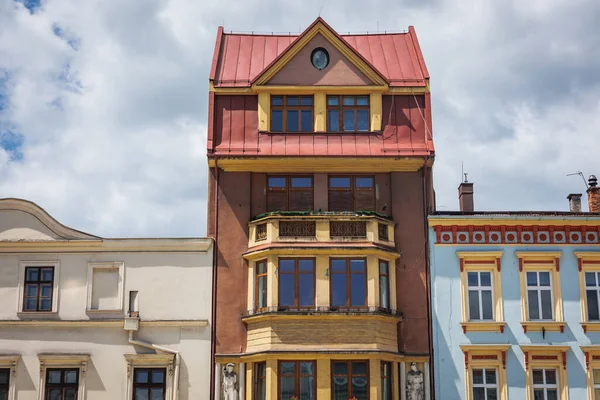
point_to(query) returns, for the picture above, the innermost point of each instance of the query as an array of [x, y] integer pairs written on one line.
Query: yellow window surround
[[482, 261], [320, 106], [592, 362], [587, 262], [479, 356], [546, 356], [541, 261]]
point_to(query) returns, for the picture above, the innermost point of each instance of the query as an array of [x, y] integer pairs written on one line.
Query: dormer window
[[347, 113], [291, 113]]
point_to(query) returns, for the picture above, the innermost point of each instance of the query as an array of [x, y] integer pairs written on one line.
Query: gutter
[[428, 282], [213, 341]]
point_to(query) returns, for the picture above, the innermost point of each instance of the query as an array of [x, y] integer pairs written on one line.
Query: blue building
[[515, 302]]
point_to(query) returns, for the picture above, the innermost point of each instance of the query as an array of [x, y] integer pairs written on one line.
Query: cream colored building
[[82, 317]]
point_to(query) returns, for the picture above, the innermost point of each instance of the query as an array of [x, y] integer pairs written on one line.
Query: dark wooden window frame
[[350, 375], [387, 275], [257, 379], [5, 386], [38, 283], [284, 108], [256, 286], [150, 385], [389, 377], [62, 386], [348, 274], [352, 190], [297, 274], [288, 189], [297, 376], [340, 108]]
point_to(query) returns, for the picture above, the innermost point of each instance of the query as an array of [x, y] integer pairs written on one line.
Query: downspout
[[165, 350], [427, 279], [213, 341]]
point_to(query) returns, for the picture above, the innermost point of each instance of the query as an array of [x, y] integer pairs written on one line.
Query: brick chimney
[[465, 197], [574, 202], [593, 194]]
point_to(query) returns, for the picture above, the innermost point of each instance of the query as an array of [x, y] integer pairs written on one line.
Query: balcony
[[321, 227]]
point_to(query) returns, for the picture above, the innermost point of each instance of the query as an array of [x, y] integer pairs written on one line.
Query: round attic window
[[319, 58]]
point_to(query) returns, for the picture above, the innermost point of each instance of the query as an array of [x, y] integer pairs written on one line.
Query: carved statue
[[229, 383], [415, 386]]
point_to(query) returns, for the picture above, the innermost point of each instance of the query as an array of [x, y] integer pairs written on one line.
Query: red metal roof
[[240, 58]]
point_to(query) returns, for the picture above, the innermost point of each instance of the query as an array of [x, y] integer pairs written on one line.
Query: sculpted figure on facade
[[415, 386], [229, 383]]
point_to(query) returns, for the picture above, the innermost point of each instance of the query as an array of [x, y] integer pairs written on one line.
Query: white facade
[[64, 299]]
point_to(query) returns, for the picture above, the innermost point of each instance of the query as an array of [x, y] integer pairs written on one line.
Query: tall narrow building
[[320, 153]]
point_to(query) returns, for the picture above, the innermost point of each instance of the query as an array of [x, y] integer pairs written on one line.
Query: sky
[[103, 103]]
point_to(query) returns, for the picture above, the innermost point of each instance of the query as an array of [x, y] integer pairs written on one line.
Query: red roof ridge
[[415, 41], [215, 60]]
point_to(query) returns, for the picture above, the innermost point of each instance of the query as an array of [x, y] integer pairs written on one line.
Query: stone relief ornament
[[229, 383], [415, 386]]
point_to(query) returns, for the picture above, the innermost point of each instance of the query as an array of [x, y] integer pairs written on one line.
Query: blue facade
[[448, 335]]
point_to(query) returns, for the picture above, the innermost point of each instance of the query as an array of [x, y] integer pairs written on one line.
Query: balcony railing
[[322, 310]]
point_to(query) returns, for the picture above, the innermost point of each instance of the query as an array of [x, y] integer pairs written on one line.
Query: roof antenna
[[320, 9], [582, 177]]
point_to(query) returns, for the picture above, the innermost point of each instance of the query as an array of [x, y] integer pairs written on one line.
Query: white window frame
[[166, 361], [63, 361], [485, 385], [595, 288], [21, 286], [10, 362], [545, 385], [116, 265], [537, 288], [479, 289]]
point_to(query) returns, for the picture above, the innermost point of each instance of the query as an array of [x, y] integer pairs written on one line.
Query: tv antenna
[[582, 177]]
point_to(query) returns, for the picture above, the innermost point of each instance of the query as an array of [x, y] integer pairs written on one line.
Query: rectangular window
[[260, 381], [39, 288], [4, 383], [592, 289], [149, 384], [386, 380], [481, 307], [350, 379], [291, 114], [351, 193], [62, 384], [485, 384], [297, 379], [347, 113], [289, 193], [384, 284], [296, 282], [545, 384], [260, 301], [539, 296], [348, 282]]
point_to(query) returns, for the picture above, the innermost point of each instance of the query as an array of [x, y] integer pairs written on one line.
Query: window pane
[[349, 121], [292, 101], [486, 305], [479, 393], [54, 376], [292, 121], [538, 376], [333, 121], [362, 120], [262, 292], [277, 182], [301, 182], [383, 290], [552, 394], [360, 387], [141, 394], [592, 305], [277, 121], [277, 100], [348, 100], [47, 274], [492, 394], [32, 274], [364, 182], [333, 101], [71, 376], [307, 290], [45, 305], [551, 376], [141, 375], [338, 265], [359, 368], [306, 265], [286, 290], [546, 304], [531, 278], [307, 387], [4, 377], [490, 376], [54, 394], [261, 268], [339, 182], [286, 265], [590, 279], [158, 376], [306, 100], [31, 290], [357, 265], [597, 376], [383, 267], [71, 394], [477, 376], [46, 290], [538, 394], [474, 305], [338, 290], [597, 393], [287, 368], [473, 278], [362, 100], [307, 368], [31, 304], [156, 394], [544, 278], [358, 290], [485, 278], [340, 368], [532, 300]]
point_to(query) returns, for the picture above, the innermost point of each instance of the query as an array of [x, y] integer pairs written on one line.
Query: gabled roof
[[241, 59]]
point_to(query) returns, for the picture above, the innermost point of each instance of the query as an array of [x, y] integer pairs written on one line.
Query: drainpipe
[[213, 341], [428, 280], [165, 350]]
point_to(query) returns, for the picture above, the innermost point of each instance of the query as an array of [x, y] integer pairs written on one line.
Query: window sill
[[548, 326], [36, 314], [590, 326], [485, 326], [94, 311]]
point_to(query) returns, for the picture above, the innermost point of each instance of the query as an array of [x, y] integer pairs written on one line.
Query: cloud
[[103, 104]]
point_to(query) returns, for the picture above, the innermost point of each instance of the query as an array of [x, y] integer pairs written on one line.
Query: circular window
[[319, 58]]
